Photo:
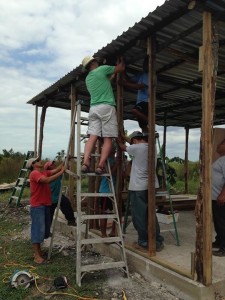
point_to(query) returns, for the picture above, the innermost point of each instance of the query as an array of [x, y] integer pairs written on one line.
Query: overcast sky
[[40, 42]]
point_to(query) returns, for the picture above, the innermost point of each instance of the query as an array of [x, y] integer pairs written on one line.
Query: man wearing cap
[[40, 201], [65, 204], [138, 188], [102, 114]]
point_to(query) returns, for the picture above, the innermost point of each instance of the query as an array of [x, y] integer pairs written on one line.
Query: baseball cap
[[31, 161], [48, 164], [135, 134]]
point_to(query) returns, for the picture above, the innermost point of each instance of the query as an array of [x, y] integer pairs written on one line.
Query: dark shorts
[[143, 108], [105, 204], [40, 223]]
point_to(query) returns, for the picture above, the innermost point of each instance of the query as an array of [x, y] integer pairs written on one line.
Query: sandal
[[99, 171], [85, 169]]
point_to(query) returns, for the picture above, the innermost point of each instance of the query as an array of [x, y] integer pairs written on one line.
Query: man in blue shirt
[[140, 83]]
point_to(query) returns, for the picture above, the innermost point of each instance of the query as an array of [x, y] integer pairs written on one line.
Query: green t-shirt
[[99, 85]]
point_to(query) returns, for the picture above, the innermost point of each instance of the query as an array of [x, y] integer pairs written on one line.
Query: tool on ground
[[21, 279]]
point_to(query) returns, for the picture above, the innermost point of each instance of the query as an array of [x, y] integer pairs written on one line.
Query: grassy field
[[16, 255]]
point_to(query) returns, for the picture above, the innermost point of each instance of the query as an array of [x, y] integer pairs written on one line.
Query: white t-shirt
[[218, 177], [139, 169]]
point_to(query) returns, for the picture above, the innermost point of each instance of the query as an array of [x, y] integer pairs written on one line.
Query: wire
[[58, 293]]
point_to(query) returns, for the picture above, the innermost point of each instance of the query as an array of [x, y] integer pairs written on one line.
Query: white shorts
[[103, 121]]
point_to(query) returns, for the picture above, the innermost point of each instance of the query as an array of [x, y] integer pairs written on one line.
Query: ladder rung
[[24, 170], [101, 240], [84, 119], [72, 173], [96, 194], [93, 217], [14, 197], [18, 188], [94, 174], [103, 266]]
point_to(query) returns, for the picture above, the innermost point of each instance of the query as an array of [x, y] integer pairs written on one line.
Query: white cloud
[[40, 42]]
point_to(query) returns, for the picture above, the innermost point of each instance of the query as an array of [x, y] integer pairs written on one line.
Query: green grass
[[16, 254]]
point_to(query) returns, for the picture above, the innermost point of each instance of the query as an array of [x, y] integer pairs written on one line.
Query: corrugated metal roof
[[178, 34]]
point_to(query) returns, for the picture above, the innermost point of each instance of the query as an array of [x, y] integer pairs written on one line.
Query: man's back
[[99, 85]]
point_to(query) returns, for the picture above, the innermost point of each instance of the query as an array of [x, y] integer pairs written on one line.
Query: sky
[[40, 42]]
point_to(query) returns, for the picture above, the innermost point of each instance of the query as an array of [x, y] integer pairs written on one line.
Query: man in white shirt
[[138, 188]]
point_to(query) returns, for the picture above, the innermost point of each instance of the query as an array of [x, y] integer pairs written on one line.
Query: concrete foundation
[[171, 266]]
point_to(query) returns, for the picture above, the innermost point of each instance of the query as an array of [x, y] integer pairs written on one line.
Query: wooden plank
[[186, 171], [204, 204], [151, 147]]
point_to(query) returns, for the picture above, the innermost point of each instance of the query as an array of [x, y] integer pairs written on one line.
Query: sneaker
[[159, 248], [216, 245], [220, 252], [72, 223]]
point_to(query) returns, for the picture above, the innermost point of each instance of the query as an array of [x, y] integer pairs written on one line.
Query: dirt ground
[[115, 286]]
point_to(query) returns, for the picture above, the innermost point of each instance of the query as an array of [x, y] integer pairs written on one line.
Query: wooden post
[[119, 179], [203, 263], [164, 137], [186, 170], [151, 148], [35, 131], [41, 134], [72, 149]]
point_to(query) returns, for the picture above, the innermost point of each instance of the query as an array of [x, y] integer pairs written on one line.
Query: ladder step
[[93, 217], [103, 266], [18, 188], [94, 174], [14, 197], [96, 194], [101, 240], [71, 173], [24, 170]]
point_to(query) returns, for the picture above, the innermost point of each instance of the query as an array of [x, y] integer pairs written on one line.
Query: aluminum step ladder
[[21, 181], [167, 192], [84, 218]]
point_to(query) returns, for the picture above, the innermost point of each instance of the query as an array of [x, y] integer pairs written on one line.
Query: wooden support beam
[[151, 148], [72, 148], [119, 105], [35, 131], [41, 134], [203, 263], [186, 170]]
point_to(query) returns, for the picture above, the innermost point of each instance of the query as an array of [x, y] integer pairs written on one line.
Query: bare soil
[[114, 286]]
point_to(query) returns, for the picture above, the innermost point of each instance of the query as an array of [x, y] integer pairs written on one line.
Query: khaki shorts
[[103, 121]]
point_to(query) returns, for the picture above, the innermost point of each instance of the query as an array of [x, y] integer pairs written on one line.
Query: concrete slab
[[173, 265]]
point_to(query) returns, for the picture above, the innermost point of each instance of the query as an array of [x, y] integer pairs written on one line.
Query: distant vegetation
[[11, 162]]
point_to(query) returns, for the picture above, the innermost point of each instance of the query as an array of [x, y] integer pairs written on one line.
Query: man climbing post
[[139, 83], [102, 114]]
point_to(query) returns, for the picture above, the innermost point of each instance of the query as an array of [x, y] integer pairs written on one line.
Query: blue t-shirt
[[55, 189], [142, 95], [104, 184]]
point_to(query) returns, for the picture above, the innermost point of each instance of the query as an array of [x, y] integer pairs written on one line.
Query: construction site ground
[[166, 276], [173, 266]]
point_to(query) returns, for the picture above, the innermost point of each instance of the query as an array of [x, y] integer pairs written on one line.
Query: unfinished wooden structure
[[185, 41]]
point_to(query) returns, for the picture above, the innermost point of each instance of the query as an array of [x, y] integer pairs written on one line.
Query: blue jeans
[[139, 212], [40, 224]]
